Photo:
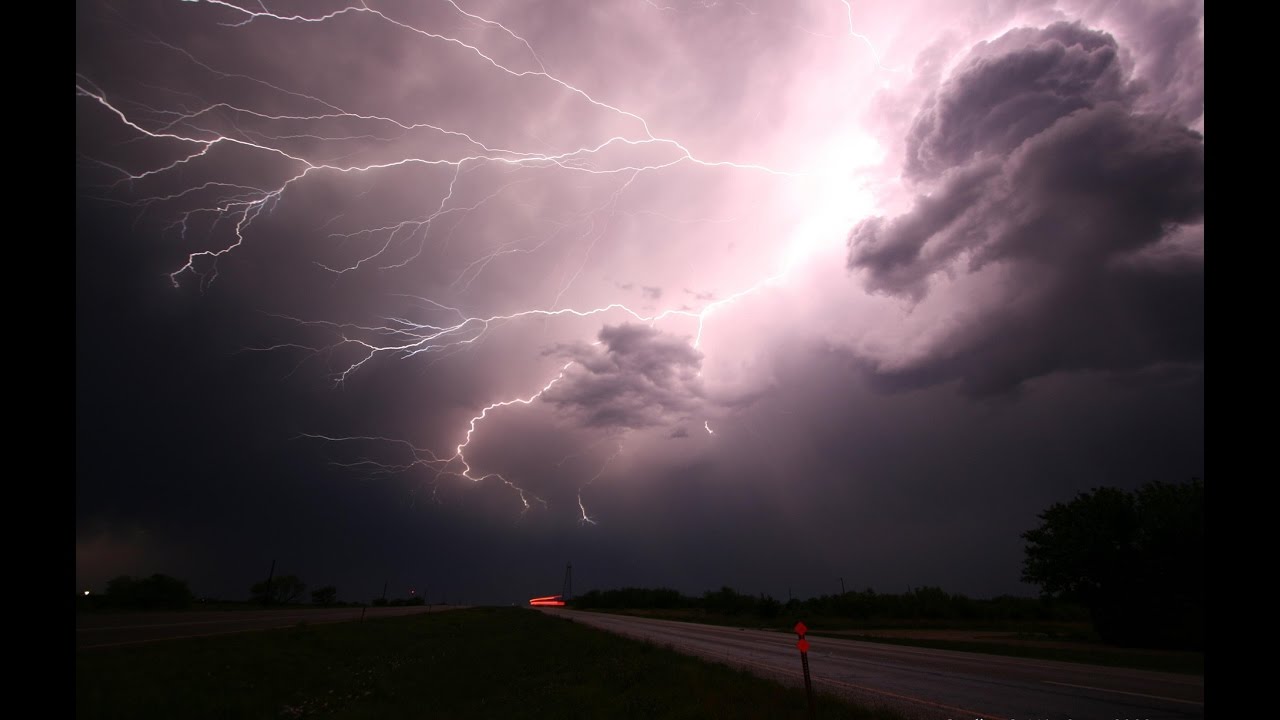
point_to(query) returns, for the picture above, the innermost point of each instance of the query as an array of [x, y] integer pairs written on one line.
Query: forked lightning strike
[[401, 337]]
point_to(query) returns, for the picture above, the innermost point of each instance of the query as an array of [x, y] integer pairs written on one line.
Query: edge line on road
[[1126, 692]]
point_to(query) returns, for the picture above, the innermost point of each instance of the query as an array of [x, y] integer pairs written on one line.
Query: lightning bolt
[[193, 132], [879, 58], [586, 519]]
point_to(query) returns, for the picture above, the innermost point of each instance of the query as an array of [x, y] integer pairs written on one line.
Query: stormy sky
[[448, 294]]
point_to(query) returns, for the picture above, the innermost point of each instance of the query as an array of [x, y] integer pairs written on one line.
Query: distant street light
[[86, 592]]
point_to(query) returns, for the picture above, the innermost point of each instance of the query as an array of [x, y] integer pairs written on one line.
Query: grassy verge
[[1088, 652], [478, 663]]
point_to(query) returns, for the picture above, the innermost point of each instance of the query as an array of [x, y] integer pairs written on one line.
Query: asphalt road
[[927, 683], [95, 630]]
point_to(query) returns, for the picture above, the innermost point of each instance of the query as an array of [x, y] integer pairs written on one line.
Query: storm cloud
[[634, 377], [771, 293], [1034, 159]]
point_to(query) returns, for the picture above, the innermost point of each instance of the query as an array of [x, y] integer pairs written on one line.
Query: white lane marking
[[1126, 692]]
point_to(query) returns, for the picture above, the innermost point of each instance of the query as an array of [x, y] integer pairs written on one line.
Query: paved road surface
[[927, 683], [109, 630]]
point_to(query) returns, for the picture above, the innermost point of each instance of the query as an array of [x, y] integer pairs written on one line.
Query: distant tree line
[[157, 592], [280, 590], [398, 602], [289, 589], [162, 592], [924, 603], [1132, 562]]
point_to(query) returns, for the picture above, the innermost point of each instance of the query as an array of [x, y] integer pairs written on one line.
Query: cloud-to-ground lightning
[[193, 132], [587, 519]]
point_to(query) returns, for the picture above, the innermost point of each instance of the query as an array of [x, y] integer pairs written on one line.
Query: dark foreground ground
[[475, 663], [99, 630]]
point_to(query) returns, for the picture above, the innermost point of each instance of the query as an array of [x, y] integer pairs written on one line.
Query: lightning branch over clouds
[[419, 178], [193, 126]]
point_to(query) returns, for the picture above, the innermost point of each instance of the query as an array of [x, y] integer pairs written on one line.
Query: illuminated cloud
[[636, 377], [1035, 159]]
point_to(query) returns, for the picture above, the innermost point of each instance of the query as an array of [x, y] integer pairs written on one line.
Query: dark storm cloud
[[634, 377], [1039, 162], [1010, 90], [893, 249]]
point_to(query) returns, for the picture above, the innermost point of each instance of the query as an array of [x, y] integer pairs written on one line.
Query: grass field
[[1068, 642], [476, 663]]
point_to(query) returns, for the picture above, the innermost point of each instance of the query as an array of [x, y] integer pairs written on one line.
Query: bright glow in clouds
[[842, 196], [608, 213]]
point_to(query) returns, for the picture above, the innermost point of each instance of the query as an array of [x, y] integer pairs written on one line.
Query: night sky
[[787, 292]]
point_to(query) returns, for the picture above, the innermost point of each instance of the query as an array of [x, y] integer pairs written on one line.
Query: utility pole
[[384, 589], [842, 586], [566, 592]]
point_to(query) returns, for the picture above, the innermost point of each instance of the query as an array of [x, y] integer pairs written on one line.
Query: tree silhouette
[[325, 595], [1135, 560], [281, 590], [158, 592]]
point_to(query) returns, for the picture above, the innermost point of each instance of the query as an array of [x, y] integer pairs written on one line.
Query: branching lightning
[[190, 131]]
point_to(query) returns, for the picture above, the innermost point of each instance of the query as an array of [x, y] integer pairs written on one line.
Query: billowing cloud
[[634, 377], [1166, 42], [1011, 89], [1034, 158]]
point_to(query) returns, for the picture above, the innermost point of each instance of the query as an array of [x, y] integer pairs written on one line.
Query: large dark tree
[[1135, 559]]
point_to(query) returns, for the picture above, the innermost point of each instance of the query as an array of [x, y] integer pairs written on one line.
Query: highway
[[927, 683], [95, 630]]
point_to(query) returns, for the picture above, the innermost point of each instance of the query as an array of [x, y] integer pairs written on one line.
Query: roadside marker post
[[803, 646]]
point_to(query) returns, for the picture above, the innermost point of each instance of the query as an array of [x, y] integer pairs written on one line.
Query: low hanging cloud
[[634, 377], [1034, 157]]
